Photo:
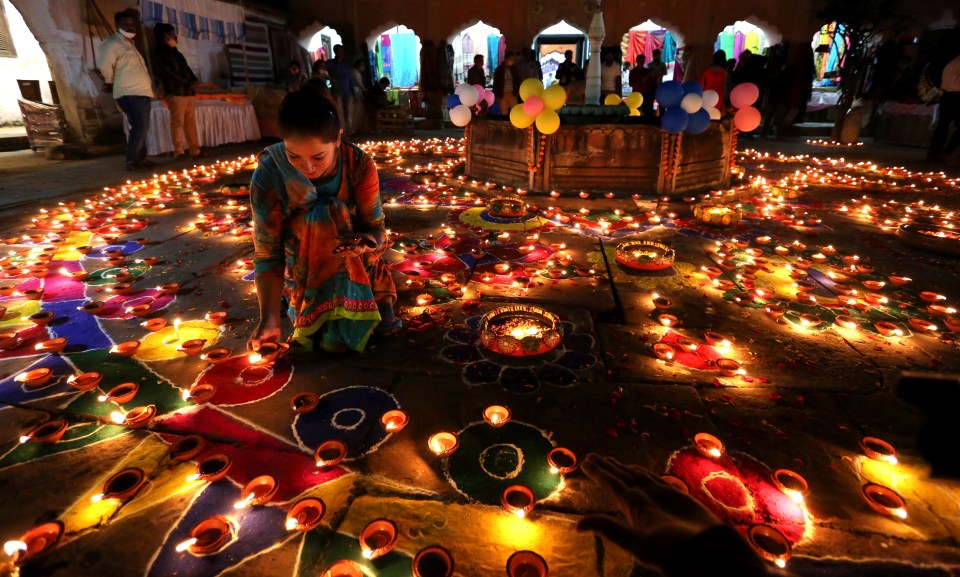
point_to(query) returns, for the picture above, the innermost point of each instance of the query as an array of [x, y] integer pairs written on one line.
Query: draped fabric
[[493, 53], [669, 48], [379, 64], [212, 20], [636, 41], [725, 43], [501, 50], [828, 62], [386, 58], [654, 42], [738, 44], [404, 59], [752, 42]]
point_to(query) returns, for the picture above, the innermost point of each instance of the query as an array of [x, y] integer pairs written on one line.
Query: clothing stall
[[739, 37], [396, 55], [829, 47], [477, 39], [643, 40]]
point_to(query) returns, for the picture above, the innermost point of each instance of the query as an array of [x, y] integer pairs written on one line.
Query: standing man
[[125, 75], [611, 77], [341, 72], [643, 82], [657, 66], [178, 82], [506, 84], [476, 75], [567, 69]]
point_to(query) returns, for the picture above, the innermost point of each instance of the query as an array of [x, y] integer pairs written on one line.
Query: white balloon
[[714, 113], [710, 98], [468, 94], [460, 115], [691, 103]]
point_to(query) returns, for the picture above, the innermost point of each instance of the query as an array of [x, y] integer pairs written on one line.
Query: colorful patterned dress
[[332, 300]]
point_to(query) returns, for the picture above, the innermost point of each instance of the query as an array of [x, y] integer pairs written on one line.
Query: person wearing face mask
[[178, 82], [125, 75], [318, 232]]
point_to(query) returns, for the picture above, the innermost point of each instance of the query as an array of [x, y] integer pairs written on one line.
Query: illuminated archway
[[740, 36], [322, 42], [396, 50], [553, 41], [829, 48], [646, 37], [479, 38]]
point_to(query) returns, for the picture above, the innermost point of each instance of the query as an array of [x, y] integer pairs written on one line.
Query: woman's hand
[[354, 246], [267, 331]]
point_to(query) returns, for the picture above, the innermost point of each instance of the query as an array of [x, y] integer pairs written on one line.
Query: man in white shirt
[[125, 75], [949, 112]]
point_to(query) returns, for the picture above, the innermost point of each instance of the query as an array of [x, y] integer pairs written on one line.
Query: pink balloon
[[747, 119], [744, 95], [480, 90], [533, 106], [489, 97]]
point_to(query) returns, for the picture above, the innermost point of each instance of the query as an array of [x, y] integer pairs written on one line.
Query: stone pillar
[[596, 35]]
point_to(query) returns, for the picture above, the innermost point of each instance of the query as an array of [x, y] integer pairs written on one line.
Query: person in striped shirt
[[125, 75]]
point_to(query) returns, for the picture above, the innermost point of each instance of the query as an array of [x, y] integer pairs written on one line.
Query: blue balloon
[[675, 120], [453, 101], [698, 122], [669, 94], [692, 86]]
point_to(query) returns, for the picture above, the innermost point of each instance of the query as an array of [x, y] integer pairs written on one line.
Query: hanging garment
[[386, 56], [636, 46], [654, 42], [752, 43], [669, 48], [404, 51], [493, 53], [739, 40], [726, 44], [501, 51]]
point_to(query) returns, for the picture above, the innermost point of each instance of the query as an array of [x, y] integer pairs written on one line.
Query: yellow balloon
[[519, 118], [531, 87], [611, 100], [548, 122], [554, 97], [633, 100]]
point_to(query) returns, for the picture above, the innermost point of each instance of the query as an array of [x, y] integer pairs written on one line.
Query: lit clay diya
[[527, 564], [258, 491], [774, 311], [35, 377], [662, 303], [305, 515], [664, 351], [394, 421], [791, 484], [443, 443], [846, 321], [806, 298], [49, 432], [154, 325], [213, 468], [217, 318], [33, 294], [7, 289], [668, 320], [676, 482], [139, 310], [42, 318], [433, 561], [378, 538], [770, 544], [80, 275], [52, 346], [122, 485], [208, 536], [329, 454], [809, 321], [711, 272], [561, 460], [94, 307], [518, 499], [715, 339], [39, 539], [9, 341], [192, 346], [885, 500], [187, 448], [896, 280], [873, 285], [122, 393], [888, 329], [646, 255], [266, 354], [728, 367], [953, 324], [302, 403], [200, 393], [85, 381], [708, 445], [879, 450], [865, 269], [688, 345], [140, 417], [496, 415], [343, 568], [216, 356], [921, 325]]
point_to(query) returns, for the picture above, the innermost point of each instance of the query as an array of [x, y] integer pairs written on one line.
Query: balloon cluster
[[463, 99], [633, 101], [539, 106], [687, 107], [742, 97]]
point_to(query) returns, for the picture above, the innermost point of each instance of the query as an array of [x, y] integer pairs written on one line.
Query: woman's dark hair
[[161, 30], [720, 58], [309, 112]]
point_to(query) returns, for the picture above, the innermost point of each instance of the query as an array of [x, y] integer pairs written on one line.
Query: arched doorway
[[22, 62], [396, 52], [740, 36], [553, 41], [480, 38], [830, 45], [322, 42], [646, 37]]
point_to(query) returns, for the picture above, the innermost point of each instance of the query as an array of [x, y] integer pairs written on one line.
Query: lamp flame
[[186, 545], [244, 502]]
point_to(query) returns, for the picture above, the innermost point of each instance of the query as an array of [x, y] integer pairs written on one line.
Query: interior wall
[[29, 64]]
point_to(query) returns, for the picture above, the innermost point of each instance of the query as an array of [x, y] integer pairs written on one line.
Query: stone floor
[[805, 397]]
